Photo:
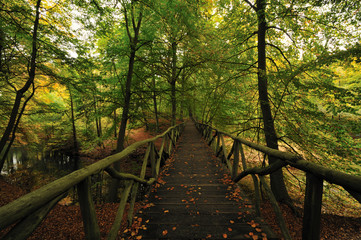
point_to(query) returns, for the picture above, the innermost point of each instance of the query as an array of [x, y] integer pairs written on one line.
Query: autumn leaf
[[138, 237], [174, 228], [225, 235], [230, 229], [165, 232], [231, 221], [258, 230]]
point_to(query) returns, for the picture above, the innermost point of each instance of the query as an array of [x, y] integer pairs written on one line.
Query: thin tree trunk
[[277, 182], [113, 189], [173, 82], [155, 105], [15, 117], [115, 123]]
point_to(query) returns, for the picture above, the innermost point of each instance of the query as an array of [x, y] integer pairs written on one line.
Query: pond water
[[52, 162]]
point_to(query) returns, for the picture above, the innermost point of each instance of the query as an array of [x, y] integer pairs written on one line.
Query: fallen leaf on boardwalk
[[138, 237], [254, 237], [230, 229], [174, 228], [166, 211], [147, 221], [165, 232], [208, 236], [224, 235], [264, 235], [231, 221], [258, 230]]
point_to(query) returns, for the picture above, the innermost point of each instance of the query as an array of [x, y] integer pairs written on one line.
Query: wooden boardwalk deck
[[197, 199]]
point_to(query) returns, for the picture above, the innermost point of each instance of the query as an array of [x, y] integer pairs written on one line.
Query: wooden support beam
[[312, 208], [152, 159], [31, 202], [235, 167], [91, 227], [276, 208], [26, 226], [119, 217]]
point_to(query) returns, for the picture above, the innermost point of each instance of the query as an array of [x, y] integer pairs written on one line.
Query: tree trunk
[[277, 182], [15, 117], [155, 105], [173, 82], [113, 189], [115, 123]]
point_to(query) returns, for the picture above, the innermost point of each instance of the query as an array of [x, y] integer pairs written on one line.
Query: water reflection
[[52, 162]]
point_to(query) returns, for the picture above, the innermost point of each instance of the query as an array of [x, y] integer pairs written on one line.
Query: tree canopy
[[285, 74]]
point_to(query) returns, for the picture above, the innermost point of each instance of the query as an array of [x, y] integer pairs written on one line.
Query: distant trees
[[7, 58]]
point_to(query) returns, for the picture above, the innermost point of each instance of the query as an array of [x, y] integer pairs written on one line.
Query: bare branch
[[283, 55]]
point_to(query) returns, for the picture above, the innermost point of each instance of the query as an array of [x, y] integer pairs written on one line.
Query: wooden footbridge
[[196, 198]]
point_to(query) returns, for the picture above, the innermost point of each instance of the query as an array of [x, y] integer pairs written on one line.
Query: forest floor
[[64, 221]]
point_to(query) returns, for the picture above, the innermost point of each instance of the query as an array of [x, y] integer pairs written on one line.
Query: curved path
[[197, 199]]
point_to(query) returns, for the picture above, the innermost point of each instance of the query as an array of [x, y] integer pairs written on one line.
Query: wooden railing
[[315, 175], [28, 211]]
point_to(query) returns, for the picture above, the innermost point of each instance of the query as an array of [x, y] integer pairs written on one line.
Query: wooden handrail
[[345, 180], [31, 202], [315, 174]]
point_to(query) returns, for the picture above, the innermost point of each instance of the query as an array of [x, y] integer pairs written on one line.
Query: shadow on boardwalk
[[197, 199]]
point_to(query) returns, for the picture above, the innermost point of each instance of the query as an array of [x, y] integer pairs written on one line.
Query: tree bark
[[173, 82], [155, 105], [14, 116], [112, 197], [277, 182]]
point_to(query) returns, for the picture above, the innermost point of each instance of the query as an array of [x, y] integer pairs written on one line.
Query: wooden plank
[[119, 217], [152, 159], [235, 151], [312, 207], [25, 227]]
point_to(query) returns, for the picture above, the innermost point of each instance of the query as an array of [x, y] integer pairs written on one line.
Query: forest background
[[77, 76]]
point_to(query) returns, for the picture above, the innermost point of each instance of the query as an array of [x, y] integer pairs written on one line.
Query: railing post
[[87, 208], [217, 142], [152, 159], [312, 207], [235, 159]]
